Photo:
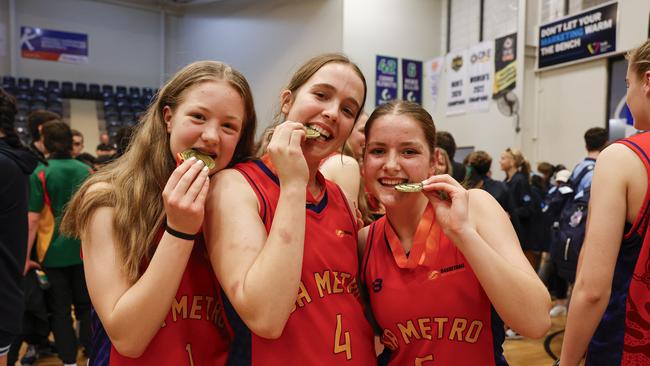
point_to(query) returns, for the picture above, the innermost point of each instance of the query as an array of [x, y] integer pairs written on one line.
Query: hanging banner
[[505, 65], [479, 75], [577, 37], [456, 75], [50, 45], [386, 80], [434, 69], [412, 81]]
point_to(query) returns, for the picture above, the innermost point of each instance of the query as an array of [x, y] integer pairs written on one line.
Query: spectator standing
[[52, 186], [16, 163]]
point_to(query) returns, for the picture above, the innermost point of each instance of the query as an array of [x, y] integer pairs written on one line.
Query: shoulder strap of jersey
[[640, 145]]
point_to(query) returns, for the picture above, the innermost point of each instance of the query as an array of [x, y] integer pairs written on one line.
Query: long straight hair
[[136, 179]]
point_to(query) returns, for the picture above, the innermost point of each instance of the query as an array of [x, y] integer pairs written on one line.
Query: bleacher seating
[[122, 105]]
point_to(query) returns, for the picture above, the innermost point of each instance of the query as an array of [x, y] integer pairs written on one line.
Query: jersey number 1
[[188, 348], [345, 346]]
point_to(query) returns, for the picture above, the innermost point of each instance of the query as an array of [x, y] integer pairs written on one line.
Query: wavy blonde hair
[[138, 177], [520, 161], [639, 59]]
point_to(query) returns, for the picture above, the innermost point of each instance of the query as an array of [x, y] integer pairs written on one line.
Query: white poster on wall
[[433, 70], [456, 76], [479, 76], [3, 39]]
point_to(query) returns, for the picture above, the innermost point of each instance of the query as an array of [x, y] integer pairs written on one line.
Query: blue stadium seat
[[37, 105], [94, 91], [24, 81], [53, 85], [67, 89], [81, 90], [8, 80], [38, 84], [55, 107]]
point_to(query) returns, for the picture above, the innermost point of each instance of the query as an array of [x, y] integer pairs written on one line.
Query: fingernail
[[199, 161], [205, 169], [192, 158]]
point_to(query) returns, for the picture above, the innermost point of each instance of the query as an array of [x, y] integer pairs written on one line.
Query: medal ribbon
[[425, 243]]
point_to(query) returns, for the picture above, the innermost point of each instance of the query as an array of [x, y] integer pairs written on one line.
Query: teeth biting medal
[[311, 133], [207, 160]]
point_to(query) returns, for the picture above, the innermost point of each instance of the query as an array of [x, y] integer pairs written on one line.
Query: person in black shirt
[[446, 141], [528, 204], [478, 170], [16, 164]]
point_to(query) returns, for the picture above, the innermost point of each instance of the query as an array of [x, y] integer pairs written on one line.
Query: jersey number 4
[[345, 346]]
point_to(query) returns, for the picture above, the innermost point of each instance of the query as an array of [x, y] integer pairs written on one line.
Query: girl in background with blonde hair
[[609, 314], [527, 204], [140, 220]]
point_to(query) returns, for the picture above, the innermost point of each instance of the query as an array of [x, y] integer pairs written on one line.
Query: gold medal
[[311, 133], [417, 187], [207, 160], [409, 187]]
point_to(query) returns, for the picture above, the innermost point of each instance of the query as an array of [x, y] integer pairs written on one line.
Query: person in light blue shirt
[[595, 142]]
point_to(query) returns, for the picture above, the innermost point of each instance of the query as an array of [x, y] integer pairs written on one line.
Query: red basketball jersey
[[194, 331], [430, 306], [636, 347], [327, 326]]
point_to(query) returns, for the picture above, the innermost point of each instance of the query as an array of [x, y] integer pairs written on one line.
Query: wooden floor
[[528, 352], [523, 352]]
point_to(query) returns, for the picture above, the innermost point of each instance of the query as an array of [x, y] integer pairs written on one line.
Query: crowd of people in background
[[238, 238]]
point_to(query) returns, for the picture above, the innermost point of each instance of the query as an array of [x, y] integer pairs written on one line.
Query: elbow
[[128, 348], [540, 328], [267, 328], [593, 297]]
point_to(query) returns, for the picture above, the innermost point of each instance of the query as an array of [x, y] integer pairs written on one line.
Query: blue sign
[[386, 81], [588, 34], [51, 45], [412, 81]]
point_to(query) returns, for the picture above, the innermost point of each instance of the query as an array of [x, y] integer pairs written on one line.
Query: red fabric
[[194, 331], [328, 326], [636, 347], [435, 312]]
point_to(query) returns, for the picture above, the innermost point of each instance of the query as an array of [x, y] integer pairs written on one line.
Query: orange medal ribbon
[[425, 243]]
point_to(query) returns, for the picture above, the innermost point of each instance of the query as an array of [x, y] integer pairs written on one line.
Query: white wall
[[124, 43], [267, 41], [573, 99], [402, 29]]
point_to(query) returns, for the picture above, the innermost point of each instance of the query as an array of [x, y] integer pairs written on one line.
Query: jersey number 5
[[345, 346]]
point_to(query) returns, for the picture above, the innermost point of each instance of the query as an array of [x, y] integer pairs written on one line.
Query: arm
[[344, 171], [33, 219], [605, 223], [480, 228], [260, 274], [132, 313]]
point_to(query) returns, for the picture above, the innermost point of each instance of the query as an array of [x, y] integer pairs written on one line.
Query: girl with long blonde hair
[[140, 220], [282, 238]]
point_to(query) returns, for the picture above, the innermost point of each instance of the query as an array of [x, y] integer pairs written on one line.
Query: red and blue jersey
[[623, 335], [327, 325], [194, 331], [429, 305]]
